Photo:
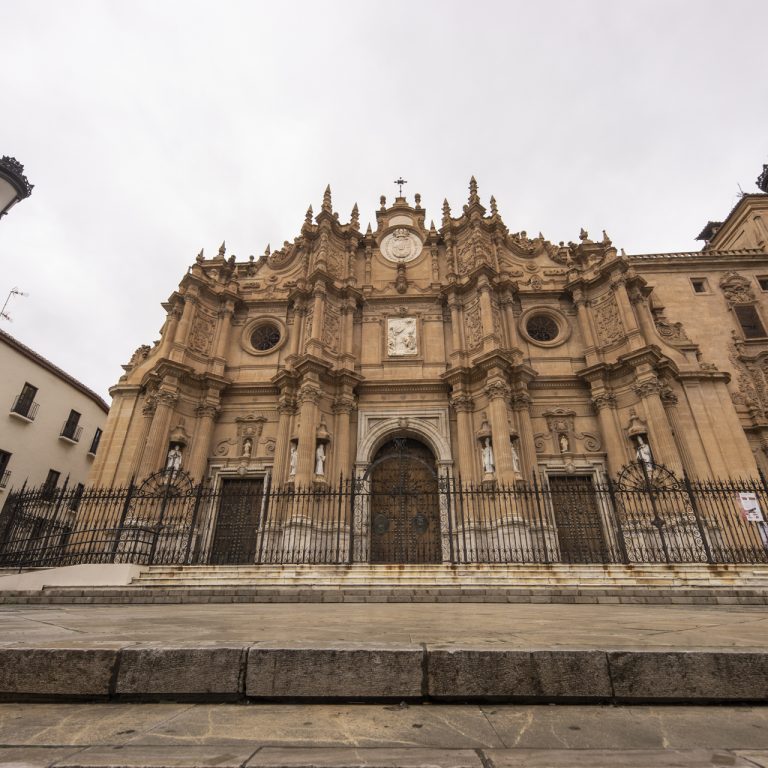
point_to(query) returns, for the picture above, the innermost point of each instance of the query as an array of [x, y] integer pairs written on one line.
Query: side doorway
[[235, 536], [578, 521]]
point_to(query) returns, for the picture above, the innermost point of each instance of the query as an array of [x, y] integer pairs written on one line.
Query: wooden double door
[[237, 523], [404, 504]]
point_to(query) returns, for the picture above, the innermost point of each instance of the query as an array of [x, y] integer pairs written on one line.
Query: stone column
[[286, 409], [201, 442], [343, 455], [467, 465], [309, 398], [486, 313], [157, 439], [456, 352], [148, 413], [619, 288], [182, 329], [498, 393], [521, 405], [585, 325], [509, 315], [669, 401], [615, 445], [662, 443], [314, 344]]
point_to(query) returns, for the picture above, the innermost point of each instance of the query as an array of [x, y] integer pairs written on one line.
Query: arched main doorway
[[405, 504]]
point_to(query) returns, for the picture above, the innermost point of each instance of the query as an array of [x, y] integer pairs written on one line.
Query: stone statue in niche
[[488, 462], [515, 458], [173, 460], [293, 459], [401, 336], [320, 459], [247, 447], [643, 453], [564, 443]]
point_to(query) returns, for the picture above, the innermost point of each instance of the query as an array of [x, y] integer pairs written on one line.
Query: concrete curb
[[316, 672]]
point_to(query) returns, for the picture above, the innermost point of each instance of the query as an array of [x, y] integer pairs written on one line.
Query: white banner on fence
[[751, 507]]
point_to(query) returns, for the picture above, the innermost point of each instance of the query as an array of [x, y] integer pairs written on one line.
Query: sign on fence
[[751, 507]]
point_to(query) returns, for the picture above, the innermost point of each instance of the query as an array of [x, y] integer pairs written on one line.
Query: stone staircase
[[490, 583]]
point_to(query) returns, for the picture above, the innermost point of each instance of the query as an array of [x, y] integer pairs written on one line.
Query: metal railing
[[71, 432], [542, 521], [25, 407]]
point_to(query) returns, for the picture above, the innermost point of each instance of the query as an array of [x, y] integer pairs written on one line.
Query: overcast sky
[[153, 129]]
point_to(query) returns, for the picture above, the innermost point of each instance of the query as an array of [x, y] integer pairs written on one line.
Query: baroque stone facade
[[503, 355]]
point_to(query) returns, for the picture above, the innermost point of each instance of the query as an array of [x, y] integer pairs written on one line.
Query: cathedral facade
[[460, 350]]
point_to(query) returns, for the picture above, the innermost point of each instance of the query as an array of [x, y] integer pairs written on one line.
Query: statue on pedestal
[[320, 459], [488, 462]]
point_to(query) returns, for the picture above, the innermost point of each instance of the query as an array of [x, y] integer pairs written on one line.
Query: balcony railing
[[4, 478], [24, 407], [71, 432]]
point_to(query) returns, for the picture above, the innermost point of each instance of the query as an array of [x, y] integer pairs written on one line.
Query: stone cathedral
[[464, 349]]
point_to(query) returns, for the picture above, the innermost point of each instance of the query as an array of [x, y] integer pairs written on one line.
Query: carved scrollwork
[[603, 400], [496, 388], [473, 325], [736, 288], [201, 333], [608, 320], [647, 388], [462, 403]]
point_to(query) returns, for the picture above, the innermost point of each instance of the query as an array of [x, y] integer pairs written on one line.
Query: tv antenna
[[13, 292]]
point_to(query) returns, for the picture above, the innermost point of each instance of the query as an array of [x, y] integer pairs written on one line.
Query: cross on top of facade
[[400, 181]]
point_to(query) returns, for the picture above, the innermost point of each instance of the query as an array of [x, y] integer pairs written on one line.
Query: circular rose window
[[542, 328], [265, 336]]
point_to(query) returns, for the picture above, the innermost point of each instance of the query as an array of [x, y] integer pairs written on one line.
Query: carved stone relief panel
[[401, 246], [331, 328], [401, 337], [201, 333], [607, 320], [474, 252], [473, 324], [737, 288]]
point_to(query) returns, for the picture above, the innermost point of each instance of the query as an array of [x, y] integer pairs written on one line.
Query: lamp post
[[14, 185]]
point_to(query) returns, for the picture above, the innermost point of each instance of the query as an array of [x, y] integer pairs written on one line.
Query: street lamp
[[13, 184]]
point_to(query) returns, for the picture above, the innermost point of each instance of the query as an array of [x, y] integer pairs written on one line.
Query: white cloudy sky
[[152, 128]]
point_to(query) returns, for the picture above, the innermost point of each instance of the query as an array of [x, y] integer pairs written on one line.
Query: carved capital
[[603, 400], [166, 398], [206, 410], [462, 403], [497, 389], [668, 397], [344, 404], [309, 393], [150, 404], [647, 388], [520, 401]]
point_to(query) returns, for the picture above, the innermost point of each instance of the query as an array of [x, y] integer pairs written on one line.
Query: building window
[[49, 486], [700, 285], [542, 328], [5, 473], [71, 430], [763, 283], [95, 442], [265, 336], [24, 404], [74, 501], [751, 325]]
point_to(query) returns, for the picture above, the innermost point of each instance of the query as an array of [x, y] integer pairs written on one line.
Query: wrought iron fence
[[563, 519]]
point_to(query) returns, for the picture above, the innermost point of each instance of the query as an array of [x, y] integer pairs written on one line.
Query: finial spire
[[354, 219], [494, 207], [223, 248], [327, 205], [200, 258], [446, 211], [308, 215], [473, 196]]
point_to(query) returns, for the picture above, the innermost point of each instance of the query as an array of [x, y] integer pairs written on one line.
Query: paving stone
[[689, 675], [591, 758], [280, 757], [540, 674], [317, 671], [33, 757], [168, 671], [47, 672], [132, 756]]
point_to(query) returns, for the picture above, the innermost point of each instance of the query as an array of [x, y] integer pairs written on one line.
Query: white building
[[50, 423]]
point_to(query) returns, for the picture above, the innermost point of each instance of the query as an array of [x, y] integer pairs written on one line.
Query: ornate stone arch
[[429, 426]]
